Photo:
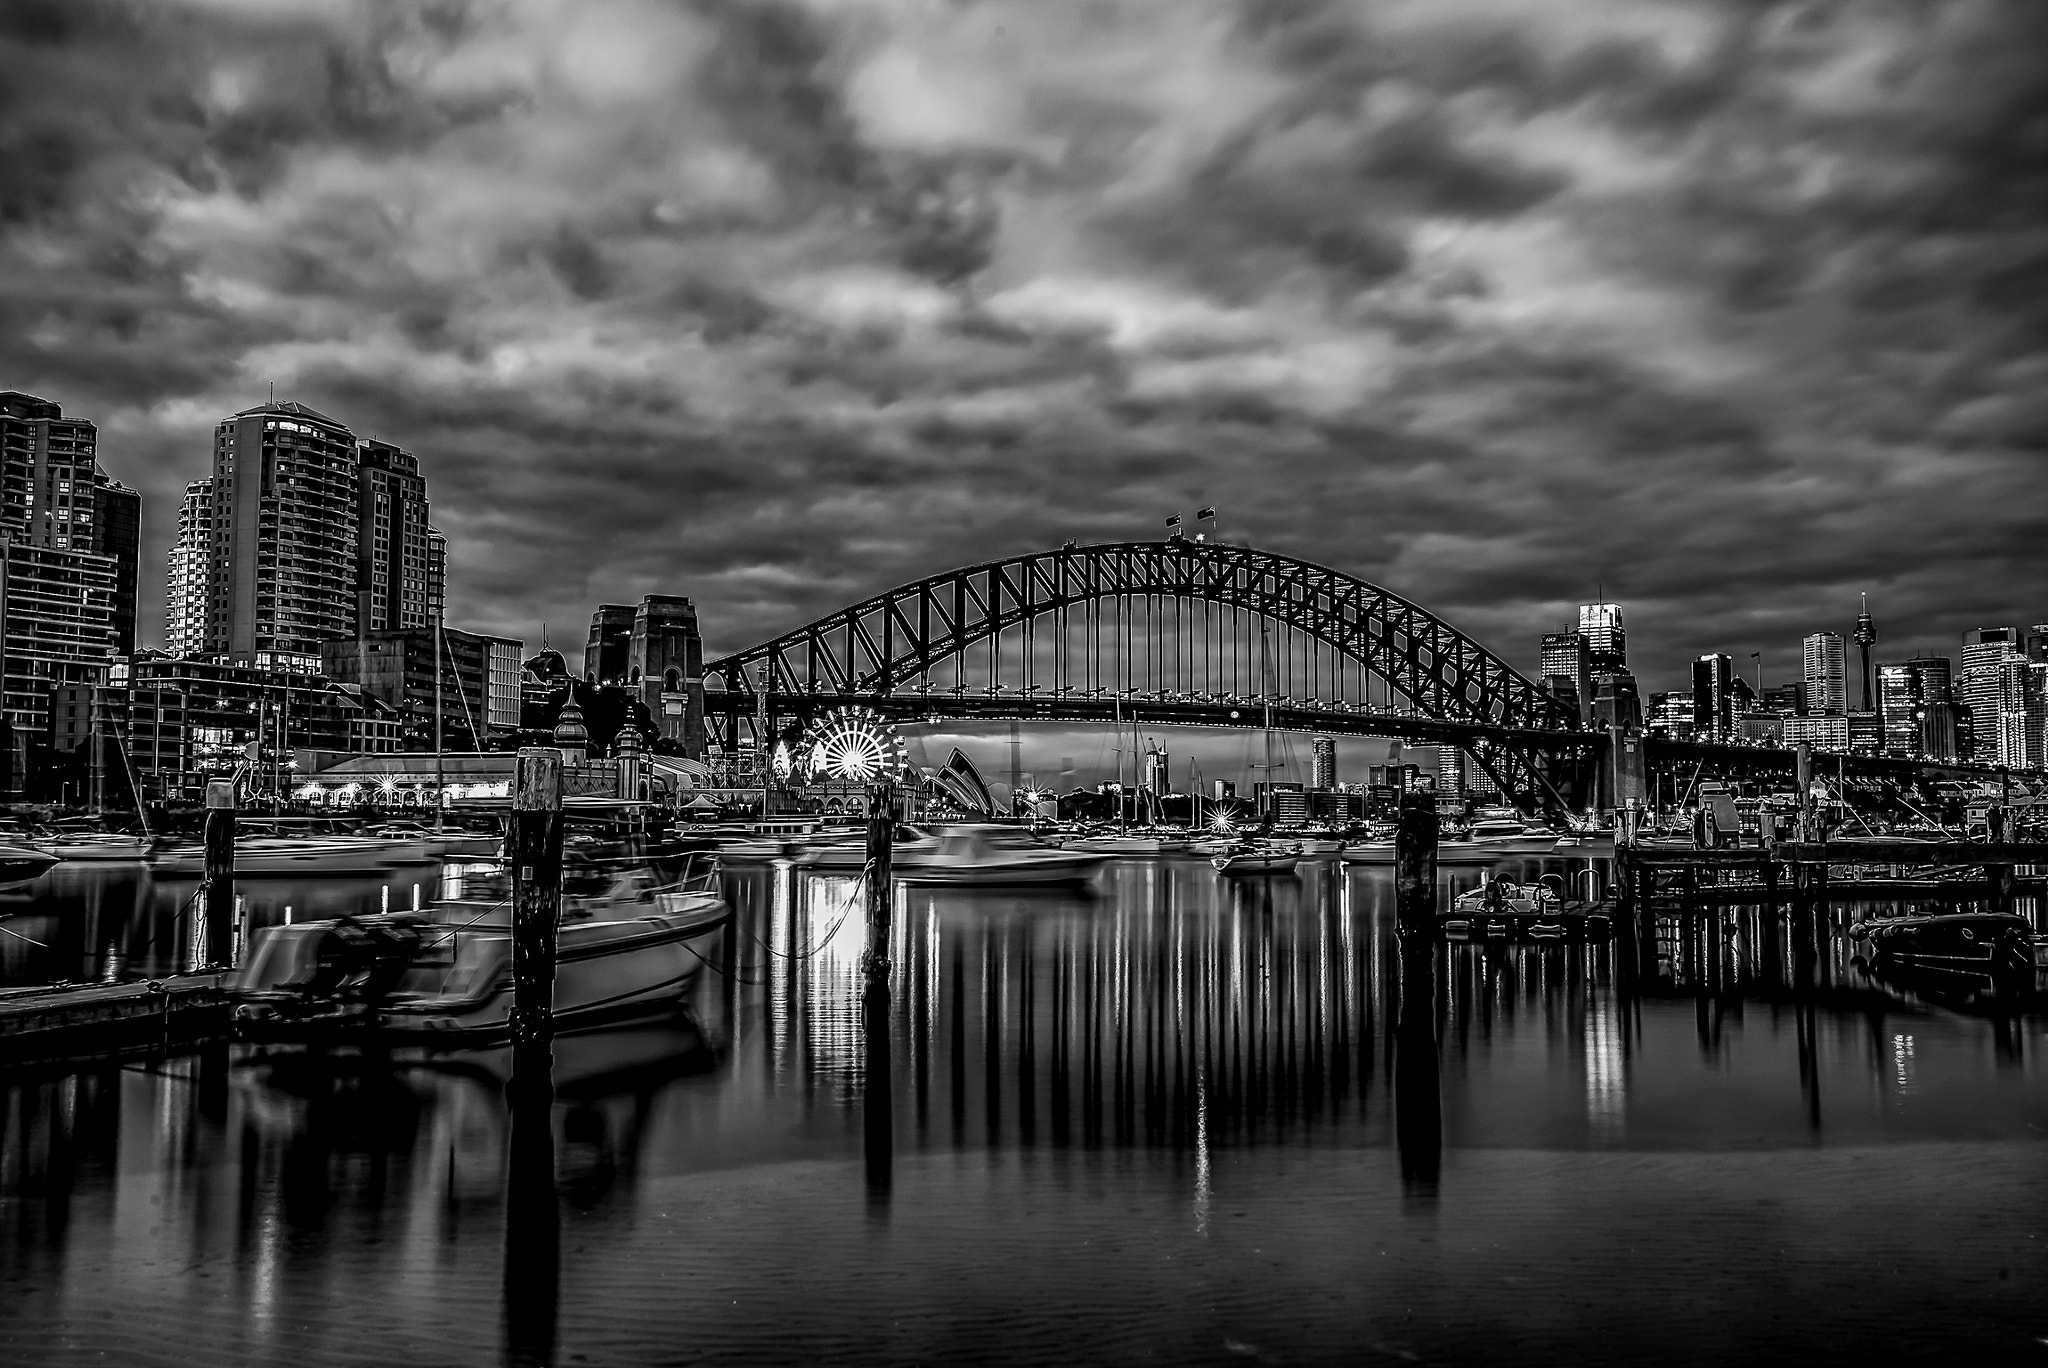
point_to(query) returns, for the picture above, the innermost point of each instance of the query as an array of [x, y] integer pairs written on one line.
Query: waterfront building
[[656, 652], [480, 680], [1826, 691], [189, 559], [1606, 641], [174, 723], [1713, 696], [1980, 687], [68, 547]]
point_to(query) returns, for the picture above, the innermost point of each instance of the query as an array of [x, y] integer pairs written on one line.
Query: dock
[[1805, 871], [69, 1021]]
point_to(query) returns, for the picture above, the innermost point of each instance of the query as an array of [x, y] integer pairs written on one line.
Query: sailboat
[[93, 845]]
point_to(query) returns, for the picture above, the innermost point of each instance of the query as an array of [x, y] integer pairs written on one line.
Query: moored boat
[[1252, 862], [1993, 943], [968, 858], [627, 950], [289, 856], [19, 864]]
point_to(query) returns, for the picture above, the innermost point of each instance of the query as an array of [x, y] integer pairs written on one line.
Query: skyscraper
[[1981, 686], [1566, 654], [67, 545], [1606, 642], [1826, 693], [1917, 704], [1713, 697], [185, 598], [1325, 772], [284, 556], [310, 534], [397, 566]]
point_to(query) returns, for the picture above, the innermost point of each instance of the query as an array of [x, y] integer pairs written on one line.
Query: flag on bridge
[[1208, 512], [1173, 521]]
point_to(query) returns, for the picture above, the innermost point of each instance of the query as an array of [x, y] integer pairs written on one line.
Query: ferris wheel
[[853, 746]]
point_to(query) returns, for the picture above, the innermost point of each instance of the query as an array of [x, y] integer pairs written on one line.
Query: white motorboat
[[1368, 853], [1132, 844], [283, 857], [966, 857], [850, 854], [98, 847], [627, 950]]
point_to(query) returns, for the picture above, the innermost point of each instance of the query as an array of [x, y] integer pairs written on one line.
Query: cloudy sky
[[1735, 308]]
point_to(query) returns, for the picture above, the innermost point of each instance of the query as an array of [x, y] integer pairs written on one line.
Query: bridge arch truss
[[1162, 621]]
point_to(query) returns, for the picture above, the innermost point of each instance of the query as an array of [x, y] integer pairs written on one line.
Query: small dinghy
[[1254, 862], [1998, 944]]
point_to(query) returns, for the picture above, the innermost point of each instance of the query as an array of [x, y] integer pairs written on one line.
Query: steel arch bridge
[[1166, 631]]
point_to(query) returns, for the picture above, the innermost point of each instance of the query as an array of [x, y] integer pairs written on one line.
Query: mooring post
[[532, 1261], [1415, 841], [877, 1090], [220, 873], [533, 852]]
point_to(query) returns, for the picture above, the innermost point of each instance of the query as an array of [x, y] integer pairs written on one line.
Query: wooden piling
[[533, 852], [532, 1260], [878, 1091], [1415, 840], [880, 880], [220, 873]]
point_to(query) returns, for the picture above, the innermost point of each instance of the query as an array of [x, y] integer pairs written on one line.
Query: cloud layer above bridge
[[1735, 307]]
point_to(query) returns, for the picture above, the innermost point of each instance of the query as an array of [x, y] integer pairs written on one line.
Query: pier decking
[[78, 1021]]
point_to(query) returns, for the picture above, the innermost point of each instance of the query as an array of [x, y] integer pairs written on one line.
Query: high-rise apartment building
[[1606, 641], [284, 560], [190, 557], [310, 534], [1826, 683], [1981, 687], [1324, 774], [68, 546], [399, 556], [1713, 697]]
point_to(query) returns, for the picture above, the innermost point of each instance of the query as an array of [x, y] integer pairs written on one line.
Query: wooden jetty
[[84, 1021], [1804, 872]]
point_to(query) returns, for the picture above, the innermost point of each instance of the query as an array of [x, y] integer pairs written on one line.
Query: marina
[[1309, 1085]]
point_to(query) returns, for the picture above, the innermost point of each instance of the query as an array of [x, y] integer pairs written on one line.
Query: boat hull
[[606, 971], [1011, 873]]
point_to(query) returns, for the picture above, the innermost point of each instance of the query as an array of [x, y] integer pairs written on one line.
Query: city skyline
[[856, 301]]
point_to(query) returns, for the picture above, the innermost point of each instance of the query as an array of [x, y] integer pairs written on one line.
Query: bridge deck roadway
[[1237, 714]]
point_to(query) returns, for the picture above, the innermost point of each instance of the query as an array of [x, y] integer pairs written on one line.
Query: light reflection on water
[[1175, 1115]]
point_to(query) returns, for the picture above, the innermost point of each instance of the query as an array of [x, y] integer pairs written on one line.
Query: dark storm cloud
[[1733, 308]]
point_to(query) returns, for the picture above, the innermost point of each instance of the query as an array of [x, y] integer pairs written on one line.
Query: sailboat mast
[[440, 777]]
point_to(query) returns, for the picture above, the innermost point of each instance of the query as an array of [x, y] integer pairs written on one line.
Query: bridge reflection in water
[[1176, 1070]]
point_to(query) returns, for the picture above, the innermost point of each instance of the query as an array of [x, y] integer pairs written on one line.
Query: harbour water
[[1179, 1119]]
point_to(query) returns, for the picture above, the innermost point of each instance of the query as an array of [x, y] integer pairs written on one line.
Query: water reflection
[[1155, 1049]]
